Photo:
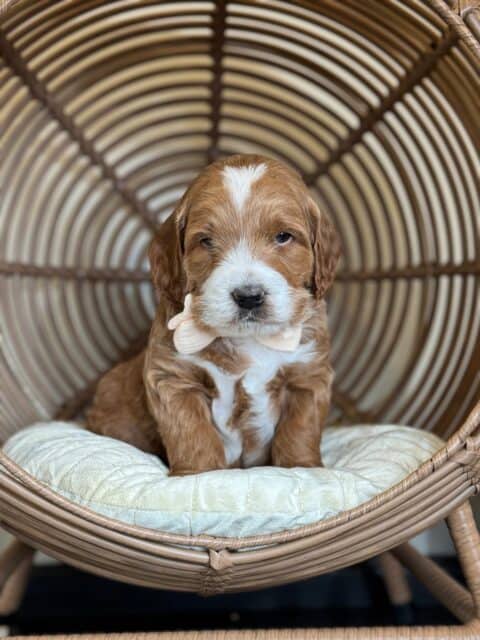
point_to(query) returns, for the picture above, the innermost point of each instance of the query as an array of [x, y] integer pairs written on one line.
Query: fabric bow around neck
[[189, 338]]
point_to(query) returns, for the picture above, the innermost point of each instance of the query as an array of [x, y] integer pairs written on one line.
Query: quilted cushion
[[118, 480]]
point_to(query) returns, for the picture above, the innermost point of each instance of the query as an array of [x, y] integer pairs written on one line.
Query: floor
[[62, 600]]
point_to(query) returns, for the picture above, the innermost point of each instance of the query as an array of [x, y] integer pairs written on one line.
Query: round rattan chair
[[110, 109]]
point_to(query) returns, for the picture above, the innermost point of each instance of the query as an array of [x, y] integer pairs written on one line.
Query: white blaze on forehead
[[239, 180]]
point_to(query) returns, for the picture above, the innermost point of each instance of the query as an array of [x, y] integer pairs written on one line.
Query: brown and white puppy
[[257, 255]]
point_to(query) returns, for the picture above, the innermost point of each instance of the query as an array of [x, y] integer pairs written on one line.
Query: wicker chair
[[111, 108]]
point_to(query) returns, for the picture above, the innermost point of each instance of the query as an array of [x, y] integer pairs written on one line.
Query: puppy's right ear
[[166, 256]]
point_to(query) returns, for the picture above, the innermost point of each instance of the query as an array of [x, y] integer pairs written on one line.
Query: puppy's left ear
[[326, 249]]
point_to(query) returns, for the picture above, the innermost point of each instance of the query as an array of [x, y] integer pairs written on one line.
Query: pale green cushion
[[118, 480]]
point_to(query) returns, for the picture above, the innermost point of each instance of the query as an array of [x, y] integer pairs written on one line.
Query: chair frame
[[463, 603], [440, 489], [40, 519]]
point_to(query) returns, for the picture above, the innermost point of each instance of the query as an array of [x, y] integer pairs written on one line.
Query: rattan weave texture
[[111, 108]]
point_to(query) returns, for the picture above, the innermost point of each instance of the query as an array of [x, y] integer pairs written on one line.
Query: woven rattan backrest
[[111, 108]]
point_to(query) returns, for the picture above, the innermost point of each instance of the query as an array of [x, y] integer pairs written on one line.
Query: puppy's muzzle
[[249, 297]]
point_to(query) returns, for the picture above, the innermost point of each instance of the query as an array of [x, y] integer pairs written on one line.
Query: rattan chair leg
[[453, 595], [445, 588], [395, 579], [15, 566], [465, 535]]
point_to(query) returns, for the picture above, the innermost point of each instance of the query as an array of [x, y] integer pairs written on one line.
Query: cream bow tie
[[189, 338]]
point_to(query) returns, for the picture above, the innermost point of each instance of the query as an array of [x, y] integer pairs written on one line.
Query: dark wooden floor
[[62, 600]]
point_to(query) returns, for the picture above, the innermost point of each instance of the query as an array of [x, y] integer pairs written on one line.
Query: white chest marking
[[222, 407], [239, 180], [264, 415]]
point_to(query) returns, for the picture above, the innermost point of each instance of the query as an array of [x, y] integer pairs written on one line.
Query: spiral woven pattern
[[112, 108]]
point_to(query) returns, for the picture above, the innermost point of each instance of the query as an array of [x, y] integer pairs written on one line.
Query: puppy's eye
[[206, 242], [284, 237]]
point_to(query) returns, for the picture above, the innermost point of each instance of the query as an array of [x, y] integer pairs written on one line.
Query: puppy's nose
[[249, 297]]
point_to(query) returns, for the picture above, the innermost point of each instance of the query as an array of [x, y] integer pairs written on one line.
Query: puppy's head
[[250, 244]]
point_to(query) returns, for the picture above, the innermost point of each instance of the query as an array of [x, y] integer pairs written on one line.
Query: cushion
[[117, 480]]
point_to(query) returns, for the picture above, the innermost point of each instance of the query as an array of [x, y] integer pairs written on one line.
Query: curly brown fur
[[183, 408]]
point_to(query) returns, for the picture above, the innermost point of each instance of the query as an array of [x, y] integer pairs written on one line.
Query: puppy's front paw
[[210, 462], [288, 459], [179, 471], [182, 471]]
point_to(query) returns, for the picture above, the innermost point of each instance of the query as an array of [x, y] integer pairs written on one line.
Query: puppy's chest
[[245, 410]]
